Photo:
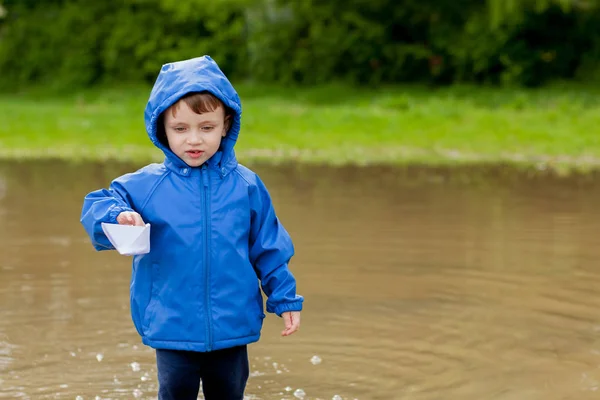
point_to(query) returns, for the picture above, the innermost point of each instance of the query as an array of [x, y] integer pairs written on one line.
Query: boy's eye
[[179, 129], [207, 128]]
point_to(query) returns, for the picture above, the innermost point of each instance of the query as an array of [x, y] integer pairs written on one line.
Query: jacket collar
[[216, 163]]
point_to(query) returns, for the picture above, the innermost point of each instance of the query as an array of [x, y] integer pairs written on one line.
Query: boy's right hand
[[130, 218]]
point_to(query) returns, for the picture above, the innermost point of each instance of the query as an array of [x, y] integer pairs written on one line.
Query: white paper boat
[[129, 240]]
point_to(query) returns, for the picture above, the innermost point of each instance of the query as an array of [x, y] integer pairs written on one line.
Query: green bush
[[56, 45], [74, 43], [371, 41], [365, 41]]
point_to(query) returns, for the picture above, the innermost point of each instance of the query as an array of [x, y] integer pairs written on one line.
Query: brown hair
[[198, 102]]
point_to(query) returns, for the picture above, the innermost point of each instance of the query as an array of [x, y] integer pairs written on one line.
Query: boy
[[195, 297]]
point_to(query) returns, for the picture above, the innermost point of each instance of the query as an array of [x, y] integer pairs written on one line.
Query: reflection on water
[[419, 284]]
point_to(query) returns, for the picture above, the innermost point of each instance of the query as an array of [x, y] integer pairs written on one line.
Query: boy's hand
[[291, 319], [130, 218]]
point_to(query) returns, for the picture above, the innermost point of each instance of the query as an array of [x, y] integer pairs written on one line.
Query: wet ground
[[419, 284]]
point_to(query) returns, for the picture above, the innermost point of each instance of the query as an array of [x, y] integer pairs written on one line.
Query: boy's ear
[[161, 134], [226, 125]]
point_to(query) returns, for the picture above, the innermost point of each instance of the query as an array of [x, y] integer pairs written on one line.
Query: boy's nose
[[195, 137]]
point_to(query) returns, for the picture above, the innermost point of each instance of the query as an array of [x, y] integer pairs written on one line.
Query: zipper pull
[[204, 175]]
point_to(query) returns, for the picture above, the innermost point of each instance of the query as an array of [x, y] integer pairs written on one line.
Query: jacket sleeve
[[270, 251], [103, 205]]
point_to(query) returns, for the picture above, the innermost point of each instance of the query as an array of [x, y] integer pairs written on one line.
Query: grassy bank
[[554, 127]]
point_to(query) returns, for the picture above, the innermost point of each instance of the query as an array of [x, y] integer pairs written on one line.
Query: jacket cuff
[[285, 307], [114, 213]]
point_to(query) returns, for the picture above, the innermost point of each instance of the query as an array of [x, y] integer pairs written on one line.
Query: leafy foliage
[[75, 43]]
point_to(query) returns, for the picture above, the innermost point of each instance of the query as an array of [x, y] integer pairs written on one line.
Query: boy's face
[[194, 137]]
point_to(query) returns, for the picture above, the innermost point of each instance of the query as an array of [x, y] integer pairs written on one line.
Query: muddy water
[[419, 285]]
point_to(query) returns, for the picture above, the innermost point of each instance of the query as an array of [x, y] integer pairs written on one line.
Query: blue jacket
[[214, 233]]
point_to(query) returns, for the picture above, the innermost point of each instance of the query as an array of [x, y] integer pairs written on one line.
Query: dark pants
[[223, 373]]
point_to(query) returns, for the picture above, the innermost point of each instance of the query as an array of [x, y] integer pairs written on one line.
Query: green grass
[[554, 127]]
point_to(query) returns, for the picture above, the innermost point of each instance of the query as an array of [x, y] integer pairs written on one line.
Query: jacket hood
[[177, 79]]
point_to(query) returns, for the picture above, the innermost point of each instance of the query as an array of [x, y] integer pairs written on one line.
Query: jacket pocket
[[135, 314], [259, 301], [258, 319], [150, 310]]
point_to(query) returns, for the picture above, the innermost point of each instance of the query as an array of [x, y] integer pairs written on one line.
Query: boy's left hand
[[291, 319]]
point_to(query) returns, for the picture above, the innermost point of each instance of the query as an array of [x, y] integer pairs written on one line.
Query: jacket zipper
[[207, 257]]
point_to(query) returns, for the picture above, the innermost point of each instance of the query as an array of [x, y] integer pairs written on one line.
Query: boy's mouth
[[195, 153]]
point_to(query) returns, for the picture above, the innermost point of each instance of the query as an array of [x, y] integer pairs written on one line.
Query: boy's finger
[[123, 219], [288, 320], [289, 331], [296, 325], [295, 319], [138, 220]]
